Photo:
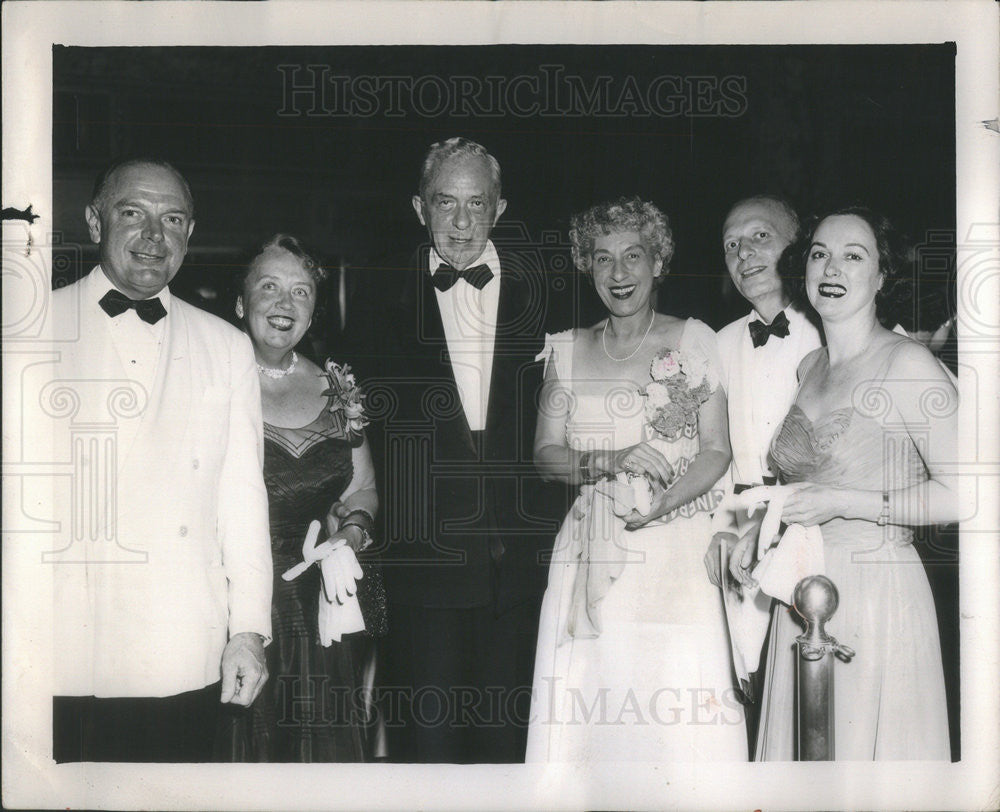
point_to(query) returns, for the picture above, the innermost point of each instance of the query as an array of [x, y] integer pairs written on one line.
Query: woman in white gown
[[633, 659]]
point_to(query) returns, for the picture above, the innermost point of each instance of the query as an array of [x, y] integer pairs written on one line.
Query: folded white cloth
[[748, 614], [339, 610], [629, 492], [797, 554]]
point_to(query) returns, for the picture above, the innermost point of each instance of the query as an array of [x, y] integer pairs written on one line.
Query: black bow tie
[[760, 332], [446, 276], [114, 303]]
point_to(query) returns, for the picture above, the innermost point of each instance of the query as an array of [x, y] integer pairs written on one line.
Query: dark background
[[822, 125]]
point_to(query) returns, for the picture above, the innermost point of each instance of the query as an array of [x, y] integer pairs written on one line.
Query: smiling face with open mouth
[[278, 300], [842, 267], [755, 234], [624, 270], [142, 222]]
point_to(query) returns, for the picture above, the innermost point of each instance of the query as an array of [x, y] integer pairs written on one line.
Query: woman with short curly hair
[[632, 413], [624, 214]]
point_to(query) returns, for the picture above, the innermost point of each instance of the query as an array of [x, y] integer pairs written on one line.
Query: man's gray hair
[[458, 147]]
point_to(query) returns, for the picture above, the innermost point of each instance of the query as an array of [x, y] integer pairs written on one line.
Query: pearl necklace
[[604, 339], [270, 372]]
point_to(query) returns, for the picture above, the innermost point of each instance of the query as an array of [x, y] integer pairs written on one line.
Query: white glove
[[338, 565], [340, 612], [341, 572]]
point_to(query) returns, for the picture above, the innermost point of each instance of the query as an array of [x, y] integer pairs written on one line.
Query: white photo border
[[31, 778]]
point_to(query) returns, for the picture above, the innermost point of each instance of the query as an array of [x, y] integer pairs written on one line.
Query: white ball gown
[[655, 683]]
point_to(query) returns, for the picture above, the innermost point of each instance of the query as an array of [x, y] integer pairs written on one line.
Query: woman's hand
[[351, 534], [641, 458], [337, 562], [662, 505], [338, 510], [813, 504]]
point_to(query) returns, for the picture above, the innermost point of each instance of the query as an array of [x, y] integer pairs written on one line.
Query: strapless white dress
[[656, 683]]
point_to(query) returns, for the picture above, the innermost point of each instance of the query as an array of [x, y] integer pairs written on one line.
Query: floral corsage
[[346, 401], [681, 382]]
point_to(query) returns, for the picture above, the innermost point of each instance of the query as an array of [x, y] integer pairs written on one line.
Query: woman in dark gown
[[317, 704]]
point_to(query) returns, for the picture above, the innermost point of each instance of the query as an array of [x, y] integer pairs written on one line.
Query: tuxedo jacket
[[760, 383], [167, 552], [466, 520]]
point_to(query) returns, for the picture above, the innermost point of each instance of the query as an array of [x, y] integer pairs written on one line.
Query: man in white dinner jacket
[[165, 590], [760, 355]]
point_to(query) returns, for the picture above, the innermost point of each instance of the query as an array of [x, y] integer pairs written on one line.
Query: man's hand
[[244, 669], [743, 557], [712, 556]]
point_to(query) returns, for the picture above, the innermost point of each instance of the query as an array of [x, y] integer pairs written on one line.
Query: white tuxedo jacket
[[760, 383], [169, 553]]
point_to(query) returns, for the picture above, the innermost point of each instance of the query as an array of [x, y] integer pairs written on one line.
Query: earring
[[239, 308]]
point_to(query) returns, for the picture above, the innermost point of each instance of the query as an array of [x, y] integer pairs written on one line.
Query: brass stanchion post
[[816, 600]]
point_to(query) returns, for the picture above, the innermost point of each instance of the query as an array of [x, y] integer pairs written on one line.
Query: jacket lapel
[[743, 386], [506, 359], [430, 335]]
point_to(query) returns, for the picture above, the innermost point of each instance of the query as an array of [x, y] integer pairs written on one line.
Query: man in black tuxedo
[[467, 521]]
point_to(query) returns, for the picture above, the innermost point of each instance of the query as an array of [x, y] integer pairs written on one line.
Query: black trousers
[[173, 729], [456, 684]]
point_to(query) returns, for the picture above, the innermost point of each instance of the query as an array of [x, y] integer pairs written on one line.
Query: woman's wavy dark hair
[[893, 263]]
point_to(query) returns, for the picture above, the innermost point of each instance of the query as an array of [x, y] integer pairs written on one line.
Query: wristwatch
[[366, 537], [883, 517]]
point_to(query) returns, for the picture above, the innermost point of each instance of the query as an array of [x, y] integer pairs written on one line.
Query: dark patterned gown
[[316, 703]]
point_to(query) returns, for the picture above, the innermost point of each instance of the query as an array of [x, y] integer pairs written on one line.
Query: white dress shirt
[[761, 383], [137, 342], [469, 317]]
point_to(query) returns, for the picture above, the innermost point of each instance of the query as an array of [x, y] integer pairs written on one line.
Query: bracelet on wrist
[[586, 475], [883, 517], [360, 512], [366, 536]]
